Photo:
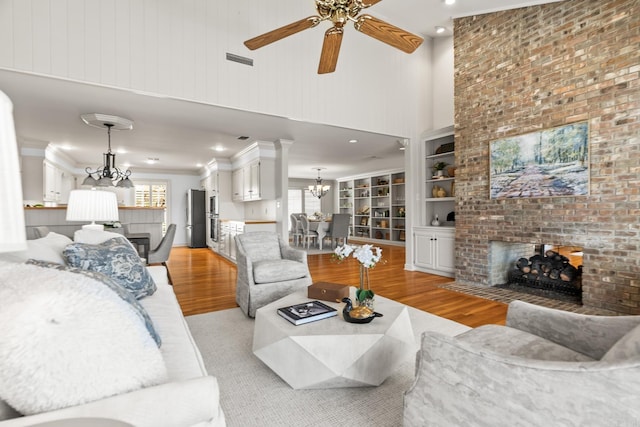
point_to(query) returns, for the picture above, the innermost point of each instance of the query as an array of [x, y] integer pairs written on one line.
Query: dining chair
[[307, 234], [296, 230], [339, 228]]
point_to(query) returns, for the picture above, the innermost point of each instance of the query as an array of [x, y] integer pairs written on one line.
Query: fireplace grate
[[573, 288]]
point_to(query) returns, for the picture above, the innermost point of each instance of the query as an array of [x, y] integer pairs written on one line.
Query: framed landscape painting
[[548, 163]]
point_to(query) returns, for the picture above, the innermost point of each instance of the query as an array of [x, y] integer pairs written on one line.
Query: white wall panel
[[122, 43], [95, 30], [22, 35], [106, 49], [137, 61], [178, 48], [6, 32], [59, 54], [42, 37], [151, 48], [76, 57]]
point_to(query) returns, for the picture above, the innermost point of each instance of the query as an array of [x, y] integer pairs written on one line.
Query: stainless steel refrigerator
[[196, 219]]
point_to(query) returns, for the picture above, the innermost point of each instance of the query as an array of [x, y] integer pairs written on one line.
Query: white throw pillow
[[65, 339], [48, 248]]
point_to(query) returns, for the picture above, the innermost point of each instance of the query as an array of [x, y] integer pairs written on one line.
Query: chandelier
[[319, 190], [108, 174]]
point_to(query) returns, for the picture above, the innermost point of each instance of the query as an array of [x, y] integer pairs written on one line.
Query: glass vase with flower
[[367, 256]]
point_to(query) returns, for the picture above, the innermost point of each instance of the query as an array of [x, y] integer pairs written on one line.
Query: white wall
[[443, 82], [177, 48]]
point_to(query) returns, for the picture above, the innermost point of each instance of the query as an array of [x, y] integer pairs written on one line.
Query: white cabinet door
[[236, 184], [445, 252], [424, 249], [254, 181]]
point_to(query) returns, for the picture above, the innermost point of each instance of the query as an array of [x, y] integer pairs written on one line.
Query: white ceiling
[[48, 109]]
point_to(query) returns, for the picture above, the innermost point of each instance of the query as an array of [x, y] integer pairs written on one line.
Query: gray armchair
[[545, 367], [268, 269]]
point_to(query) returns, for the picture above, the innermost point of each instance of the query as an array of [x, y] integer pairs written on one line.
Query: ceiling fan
[[339, 12]]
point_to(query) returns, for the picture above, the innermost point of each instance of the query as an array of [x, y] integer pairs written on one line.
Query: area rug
[[252, 395]]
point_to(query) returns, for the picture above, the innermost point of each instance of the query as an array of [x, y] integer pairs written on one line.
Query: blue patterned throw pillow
[[115, 287], [115, 258]]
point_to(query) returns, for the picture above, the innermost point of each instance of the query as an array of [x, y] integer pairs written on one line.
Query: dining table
[[320, 226]]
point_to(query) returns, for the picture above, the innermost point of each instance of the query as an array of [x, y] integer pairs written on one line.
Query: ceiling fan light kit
[[339, 12]]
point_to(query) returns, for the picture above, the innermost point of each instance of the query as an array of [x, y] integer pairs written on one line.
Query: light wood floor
[[204, 282]]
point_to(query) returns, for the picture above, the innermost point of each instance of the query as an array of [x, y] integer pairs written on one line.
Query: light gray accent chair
[[40, 231], [545, 367], [268, 269], [160, 254], [339, 228]]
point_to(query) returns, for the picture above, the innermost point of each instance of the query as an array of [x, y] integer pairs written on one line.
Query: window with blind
[[152, 195], [301, 200]]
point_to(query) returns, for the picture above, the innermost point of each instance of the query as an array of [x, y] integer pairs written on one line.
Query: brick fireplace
[[536, 68], [550, 271]]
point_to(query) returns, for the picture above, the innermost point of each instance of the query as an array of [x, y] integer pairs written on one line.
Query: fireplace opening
[[550, 271]]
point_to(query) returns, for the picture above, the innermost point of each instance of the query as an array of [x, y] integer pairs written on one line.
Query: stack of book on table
[[306, 312]]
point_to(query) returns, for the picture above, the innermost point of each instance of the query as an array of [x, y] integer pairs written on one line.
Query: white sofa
[[190, 397]]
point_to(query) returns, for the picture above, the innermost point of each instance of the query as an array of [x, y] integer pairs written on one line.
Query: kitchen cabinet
[[57, 183], [226, 242], [254, 181], [237, 190], [434, 250]]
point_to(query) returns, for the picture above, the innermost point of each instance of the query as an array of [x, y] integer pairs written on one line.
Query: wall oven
[[215, 228]]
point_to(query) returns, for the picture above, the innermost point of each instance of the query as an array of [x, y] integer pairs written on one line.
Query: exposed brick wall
[[540, 67]]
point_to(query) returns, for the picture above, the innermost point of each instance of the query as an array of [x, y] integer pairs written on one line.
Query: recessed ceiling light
[[440, 30], [218, 148], [198, 165], [449, 2], [353, 141]]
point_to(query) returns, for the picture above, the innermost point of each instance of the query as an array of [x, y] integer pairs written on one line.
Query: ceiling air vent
[[243, 138], [239, 59]]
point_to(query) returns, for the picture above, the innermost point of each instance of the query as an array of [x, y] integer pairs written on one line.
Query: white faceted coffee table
[[332, 353]]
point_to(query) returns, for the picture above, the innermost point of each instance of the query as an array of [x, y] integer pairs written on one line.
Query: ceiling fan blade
[[330, 50], [387, 33], [282, 32]]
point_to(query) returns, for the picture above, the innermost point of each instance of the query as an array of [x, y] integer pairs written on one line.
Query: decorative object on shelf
[[439, 168], [445, 148], [398, 181], [319, 190], [108, 174], [358, 314], [436, 221], [441, 192], [368, 256], [451, 171], [453, 189], [451, 216], [434, 191]]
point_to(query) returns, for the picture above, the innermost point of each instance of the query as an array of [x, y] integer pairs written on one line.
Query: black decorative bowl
[[346, 313], [350, 319]]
